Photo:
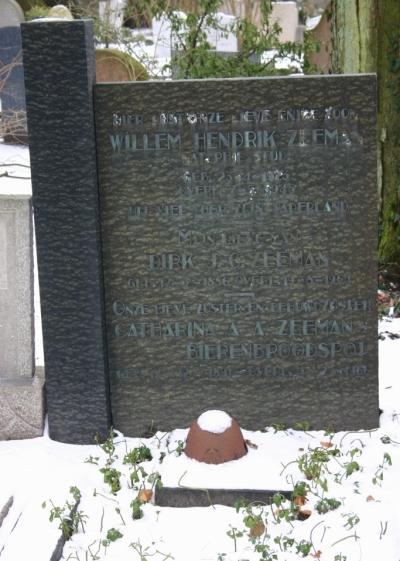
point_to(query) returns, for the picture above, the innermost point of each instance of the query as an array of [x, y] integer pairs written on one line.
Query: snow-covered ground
[[365, 526]]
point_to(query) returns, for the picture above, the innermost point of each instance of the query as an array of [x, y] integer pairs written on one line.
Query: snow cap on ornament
[[215, 438]]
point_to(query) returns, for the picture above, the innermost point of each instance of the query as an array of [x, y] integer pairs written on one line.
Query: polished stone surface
[[239, 231]]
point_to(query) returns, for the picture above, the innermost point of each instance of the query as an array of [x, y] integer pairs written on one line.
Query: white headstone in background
[[11, 13], [21, 381], [165, 41], [16, 286], [3, 255], [222, 40], [287, 16], [225, 39], [111, 12]]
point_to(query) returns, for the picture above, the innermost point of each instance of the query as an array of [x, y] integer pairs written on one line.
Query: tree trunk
[[366, 38]]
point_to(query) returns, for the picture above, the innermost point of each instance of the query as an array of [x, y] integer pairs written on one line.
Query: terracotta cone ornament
[[215, 438]]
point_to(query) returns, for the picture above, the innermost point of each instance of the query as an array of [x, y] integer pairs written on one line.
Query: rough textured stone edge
[[184, 498], [22, 409], [66, 212], [6, 509]]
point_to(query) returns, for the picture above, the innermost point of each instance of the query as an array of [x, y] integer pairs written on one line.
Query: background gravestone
[[11, 13], [12, 92], [21, 388], [239, 236]]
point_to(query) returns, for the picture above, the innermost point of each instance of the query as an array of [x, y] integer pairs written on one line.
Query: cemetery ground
[[344, 491], [340, 494]]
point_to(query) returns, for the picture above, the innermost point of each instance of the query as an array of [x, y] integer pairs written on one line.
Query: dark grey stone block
[[184, 498], [5, 509], [239, 233], [59, 76]]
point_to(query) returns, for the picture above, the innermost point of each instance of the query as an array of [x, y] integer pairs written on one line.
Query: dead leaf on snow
[[145, 495], [300, 500], [304, 513], [257, 530]]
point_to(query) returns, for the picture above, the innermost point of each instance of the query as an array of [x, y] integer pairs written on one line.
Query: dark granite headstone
[[238, 227], [239, 236], [59, 75], [12, 92]]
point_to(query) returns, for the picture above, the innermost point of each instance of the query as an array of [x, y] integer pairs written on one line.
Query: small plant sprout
[[386, 462], [303, 426], [145, 552], [253, 518], [314, 465], [134, 458], [137, 511], [280, 513], [300, 491], [279, 427], [108, 447], [326, 505], [118, 511], [179, 447], [285, 542], [137, 476], [110, 474], [303, 547], [112, 536], [235, 534], [352, 466], [112, 478], [351, 520], [138, 455], [155, 480], [92, 460], [68, 515]]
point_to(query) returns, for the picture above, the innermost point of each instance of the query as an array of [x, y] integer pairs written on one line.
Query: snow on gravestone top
[[214, 421]]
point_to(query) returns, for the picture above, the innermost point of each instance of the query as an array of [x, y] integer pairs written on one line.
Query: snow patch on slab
[[214, 421]]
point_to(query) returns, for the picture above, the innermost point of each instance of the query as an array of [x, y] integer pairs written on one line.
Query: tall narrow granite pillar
[[59, 72]]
